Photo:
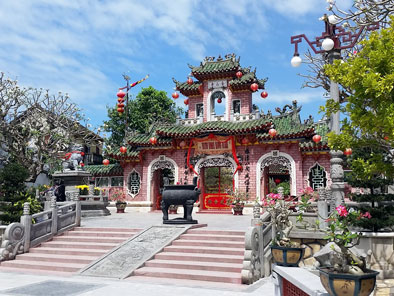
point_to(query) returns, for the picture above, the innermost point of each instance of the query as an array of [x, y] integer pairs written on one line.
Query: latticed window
[[317, 177], [134, 184]]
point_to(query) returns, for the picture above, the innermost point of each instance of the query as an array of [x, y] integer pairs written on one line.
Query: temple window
[[116, 181], [199, 110], [237, 106], [102, 182], [134, 184], [317, 177]]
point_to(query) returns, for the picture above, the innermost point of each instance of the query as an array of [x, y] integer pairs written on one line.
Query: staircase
[[202, 255], [67, 253]]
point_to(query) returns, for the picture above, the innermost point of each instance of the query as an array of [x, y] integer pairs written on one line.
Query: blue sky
[[83, 47]]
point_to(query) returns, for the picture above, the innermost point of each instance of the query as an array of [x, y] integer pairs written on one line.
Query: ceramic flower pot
[[341, 284], [120, 206], [238, 209], [287, 256]]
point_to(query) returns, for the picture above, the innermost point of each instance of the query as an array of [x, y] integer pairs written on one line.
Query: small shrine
[[241, 148]]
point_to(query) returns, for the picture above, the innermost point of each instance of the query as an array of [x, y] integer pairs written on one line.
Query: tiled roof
[[143, 140], [210, 68], [246, 80], [105, 170], [130, 153], [188, 89], [320, 128], [225, 127]]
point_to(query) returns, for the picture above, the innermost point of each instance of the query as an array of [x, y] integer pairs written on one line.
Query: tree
[[13, 193], [368, 126], [150, 106], [36, 125]]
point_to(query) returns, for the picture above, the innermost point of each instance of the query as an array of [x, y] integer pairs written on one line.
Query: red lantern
[[105, 162], [121, 94], [120, 100], [254, 86], [120, 110], [175, 95], [264, 94], [82, 153], [153, 140], [82, 164], [272, 132], [277, 181], [120, 105], [182, 144], [186, 102], [219, 100], [123, 149], [348, 151], [245, 141], [189, 81], [238, 74], [316, 138]]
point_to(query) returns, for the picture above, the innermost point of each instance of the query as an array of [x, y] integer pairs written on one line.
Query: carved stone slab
[[122, 261]]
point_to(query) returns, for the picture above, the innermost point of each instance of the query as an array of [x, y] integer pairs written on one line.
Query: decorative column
[[54, 215], [26, 222], [338, 185]]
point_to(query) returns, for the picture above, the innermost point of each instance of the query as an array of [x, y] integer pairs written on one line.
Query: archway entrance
[[274, 176], [217, 179], [162, 173]]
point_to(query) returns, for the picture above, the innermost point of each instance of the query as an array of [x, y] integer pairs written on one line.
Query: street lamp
[[330, 43]]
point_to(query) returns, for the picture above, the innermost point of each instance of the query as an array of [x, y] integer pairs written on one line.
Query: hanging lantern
[[348, 151], [120, 105], [245, 141], [219, 100], [153, 140], [120, 110], [316, 138], [254, 86], [121, 94], [272, 132], [105, 162], [82, 164], [82, 153], [277, 181], [186, 102], [123, 149], [239, 74], [264, 94], [175, 95], [120, 100], [189, 81]]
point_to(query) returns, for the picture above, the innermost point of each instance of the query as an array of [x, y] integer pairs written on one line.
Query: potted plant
[[284, 252], [83, 189], [304, 205], [120, 200], [346, 272], [236, 200]]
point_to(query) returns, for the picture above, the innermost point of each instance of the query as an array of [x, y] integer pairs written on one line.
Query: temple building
[[242, 148]]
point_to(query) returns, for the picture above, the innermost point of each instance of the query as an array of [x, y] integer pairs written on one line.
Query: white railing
[[34, 229]]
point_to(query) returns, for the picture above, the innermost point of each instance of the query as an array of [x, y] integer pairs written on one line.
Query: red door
[[217, 182]]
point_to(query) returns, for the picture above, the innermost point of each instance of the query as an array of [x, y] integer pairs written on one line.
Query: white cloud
[[302, 97]]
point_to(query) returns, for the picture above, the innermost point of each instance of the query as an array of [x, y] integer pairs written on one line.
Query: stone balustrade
[[34, 229]]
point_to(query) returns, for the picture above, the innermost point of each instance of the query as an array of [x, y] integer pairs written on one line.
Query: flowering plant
[[83, 189], [118, 196], [96, 191], [237, 196], [280, 210], [305, 199], [339, 231]]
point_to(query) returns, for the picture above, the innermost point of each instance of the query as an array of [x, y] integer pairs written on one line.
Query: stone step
[[53, 266], [181, 242], [200, 257], [73, 252], [35, 271], [45, 257], [213, 266], [213, 237], [76, 245], [107, 229], [96, 239], [219, 232], [101, 234], [201, 275], [205, 250]]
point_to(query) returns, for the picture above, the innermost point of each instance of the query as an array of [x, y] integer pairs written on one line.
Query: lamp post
[[332, 41]]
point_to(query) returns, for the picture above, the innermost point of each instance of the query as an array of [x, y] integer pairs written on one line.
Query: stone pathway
[[384, 287]]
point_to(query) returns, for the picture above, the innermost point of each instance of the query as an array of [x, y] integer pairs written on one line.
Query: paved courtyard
[[27, 284]]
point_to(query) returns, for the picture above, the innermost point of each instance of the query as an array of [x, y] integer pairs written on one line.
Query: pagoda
[[243, 148]]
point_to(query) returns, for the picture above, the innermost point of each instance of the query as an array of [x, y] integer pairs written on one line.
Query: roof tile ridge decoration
[[188, 90]]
